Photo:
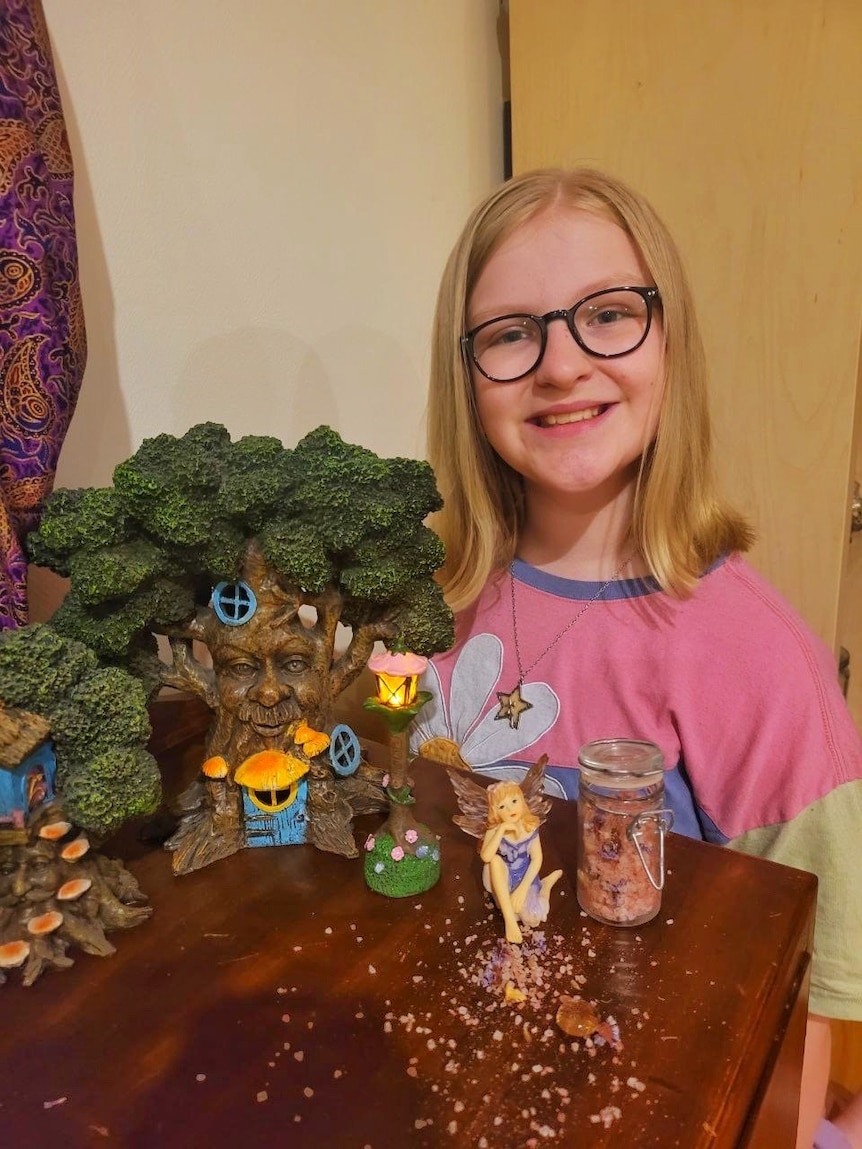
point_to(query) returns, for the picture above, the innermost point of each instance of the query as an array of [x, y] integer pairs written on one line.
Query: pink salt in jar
[[622, 823]]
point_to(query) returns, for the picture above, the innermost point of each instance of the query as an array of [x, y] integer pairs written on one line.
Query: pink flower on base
[[397, 853], [369, 843], [411, 836], [385, 781]]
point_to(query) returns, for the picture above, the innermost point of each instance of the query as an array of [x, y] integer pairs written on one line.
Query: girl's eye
[[608, 315], [512, 335], [506, 333]]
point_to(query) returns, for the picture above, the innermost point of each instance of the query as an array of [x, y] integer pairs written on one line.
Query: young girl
[[596, 574]]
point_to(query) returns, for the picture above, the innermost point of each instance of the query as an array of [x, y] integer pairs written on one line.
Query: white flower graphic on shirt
[[457, 730]]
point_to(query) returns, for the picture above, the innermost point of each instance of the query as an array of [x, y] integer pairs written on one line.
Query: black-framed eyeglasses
[[607, 324]]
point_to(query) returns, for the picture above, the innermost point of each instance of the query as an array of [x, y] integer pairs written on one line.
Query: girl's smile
[[565, 418]]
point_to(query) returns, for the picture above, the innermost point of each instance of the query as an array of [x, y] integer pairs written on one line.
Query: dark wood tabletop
[[272, 1000]]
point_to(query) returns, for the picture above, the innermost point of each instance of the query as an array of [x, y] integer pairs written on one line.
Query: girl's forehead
[[560, 252]]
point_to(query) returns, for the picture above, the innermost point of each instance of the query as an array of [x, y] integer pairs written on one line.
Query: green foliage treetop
[[98, 722], [341, 528]]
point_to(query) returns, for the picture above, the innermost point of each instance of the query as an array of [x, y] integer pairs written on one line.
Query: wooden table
[[273, 1001]]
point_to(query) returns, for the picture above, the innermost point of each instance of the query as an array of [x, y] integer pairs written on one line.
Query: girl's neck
[[584, 539]]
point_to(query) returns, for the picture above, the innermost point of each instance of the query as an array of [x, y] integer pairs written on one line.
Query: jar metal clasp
[[663, 820]]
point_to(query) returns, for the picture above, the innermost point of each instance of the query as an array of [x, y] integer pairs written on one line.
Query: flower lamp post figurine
[[402, 858], [507, 816]]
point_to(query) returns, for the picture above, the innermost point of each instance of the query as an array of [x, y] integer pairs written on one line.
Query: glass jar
[[622, 822]]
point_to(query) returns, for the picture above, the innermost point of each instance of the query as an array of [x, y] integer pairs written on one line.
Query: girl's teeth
[[571, 417]]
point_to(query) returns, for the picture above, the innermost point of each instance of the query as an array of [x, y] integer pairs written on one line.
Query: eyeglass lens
[[612, 323]]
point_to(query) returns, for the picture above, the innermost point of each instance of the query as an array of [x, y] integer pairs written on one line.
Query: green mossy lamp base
[[405, 876]]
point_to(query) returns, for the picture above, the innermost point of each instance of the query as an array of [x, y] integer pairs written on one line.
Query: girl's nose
[[564, 362]]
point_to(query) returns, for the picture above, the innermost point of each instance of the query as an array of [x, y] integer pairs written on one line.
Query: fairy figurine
[[506, 817]]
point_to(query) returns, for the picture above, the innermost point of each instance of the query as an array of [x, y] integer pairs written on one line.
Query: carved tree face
[[27, 872], [267, 676]]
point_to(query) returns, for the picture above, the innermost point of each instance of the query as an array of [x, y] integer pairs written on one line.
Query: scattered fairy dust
[[263, 1095], [56, 1101], [466, 1008], [200, 1077], [499, 1009]]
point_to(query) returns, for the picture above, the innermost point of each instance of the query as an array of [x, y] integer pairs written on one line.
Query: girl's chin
[[591, 487]]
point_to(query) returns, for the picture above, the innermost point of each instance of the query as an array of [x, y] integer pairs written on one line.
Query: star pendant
[[512, 706]]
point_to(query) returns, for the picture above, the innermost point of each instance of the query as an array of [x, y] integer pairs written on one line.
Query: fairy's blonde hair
[[499, 791], [679, 523]]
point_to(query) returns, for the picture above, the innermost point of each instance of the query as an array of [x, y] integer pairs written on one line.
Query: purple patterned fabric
[[43, 345]]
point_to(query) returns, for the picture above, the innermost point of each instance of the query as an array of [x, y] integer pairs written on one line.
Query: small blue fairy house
[[27, 769], [275, 796]]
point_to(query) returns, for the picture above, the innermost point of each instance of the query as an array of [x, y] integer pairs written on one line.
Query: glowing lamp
[[397, 678]]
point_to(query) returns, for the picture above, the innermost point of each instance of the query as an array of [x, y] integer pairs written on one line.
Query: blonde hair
[[679, 524], [499, 791]]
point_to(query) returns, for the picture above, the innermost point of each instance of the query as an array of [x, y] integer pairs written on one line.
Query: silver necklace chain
[[524, 671]]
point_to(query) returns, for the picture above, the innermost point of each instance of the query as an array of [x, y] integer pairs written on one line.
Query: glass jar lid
[[628, 761]]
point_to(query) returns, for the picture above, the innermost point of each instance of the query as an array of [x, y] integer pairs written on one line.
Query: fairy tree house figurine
[[73, 768], [258, 553]]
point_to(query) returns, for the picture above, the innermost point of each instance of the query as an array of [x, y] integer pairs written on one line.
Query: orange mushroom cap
[[53, 831], [73, 889], [13, 954], [215, 767], [270, 770], [313, 742], [45, 923], [75, 850]]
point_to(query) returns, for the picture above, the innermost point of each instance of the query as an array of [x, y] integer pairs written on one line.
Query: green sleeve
[[826, 840]]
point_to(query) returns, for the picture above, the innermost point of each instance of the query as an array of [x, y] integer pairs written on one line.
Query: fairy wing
[[531, 787], [473, 803]]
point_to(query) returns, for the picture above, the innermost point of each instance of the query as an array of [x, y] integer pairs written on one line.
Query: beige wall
[[266, 194]]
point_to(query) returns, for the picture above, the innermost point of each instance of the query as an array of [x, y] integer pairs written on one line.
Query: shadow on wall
[[265, 381], [99, 435], [255, 381]]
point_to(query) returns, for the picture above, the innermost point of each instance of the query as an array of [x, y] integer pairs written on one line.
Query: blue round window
[[345, 753], [234, 603]]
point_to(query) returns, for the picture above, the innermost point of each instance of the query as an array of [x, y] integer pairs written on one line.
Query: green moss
[[114, 572], [411, 875], [118, 784], [84, 520], [257, 478], [297, 552], [106, 708], [38, 667]]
